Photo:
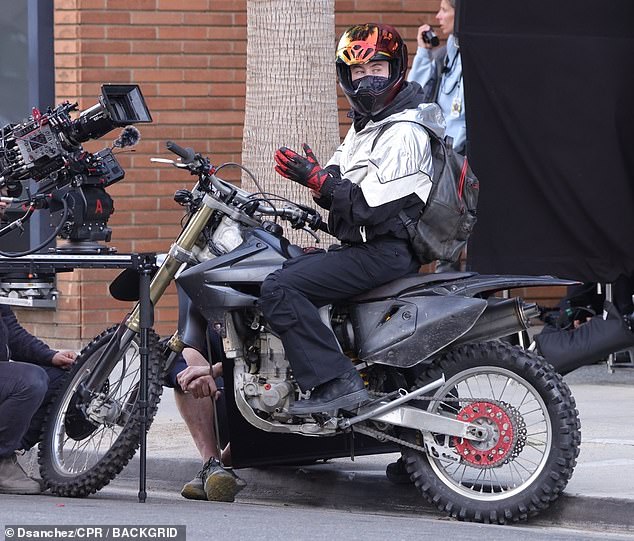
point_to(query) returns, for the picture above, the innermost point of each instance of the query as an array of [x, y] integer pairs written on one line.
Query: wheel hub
[[102, 410], [496, 423]]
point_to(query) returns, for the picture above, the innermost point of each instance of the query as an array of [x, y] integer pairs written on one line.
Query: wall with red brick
[[189, 59]]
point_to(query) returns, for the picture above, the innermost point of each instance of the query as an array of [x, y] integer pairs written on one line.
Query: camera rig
[[47, 148]]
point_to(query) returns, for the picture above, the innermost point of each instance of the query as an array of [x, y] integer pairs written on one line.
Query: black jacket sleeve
[[17, 344], [334, 177]]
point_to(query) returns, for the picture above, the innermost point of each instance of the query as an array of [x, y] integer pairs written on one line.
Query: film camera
[[47, 148]]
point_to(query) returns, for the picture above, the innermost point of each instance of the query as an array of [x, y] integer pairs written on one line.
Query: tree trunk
[[291, 93]]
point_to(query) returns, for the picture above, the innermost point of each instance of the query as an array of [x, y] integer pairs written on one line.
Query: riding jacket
[[383, 168]]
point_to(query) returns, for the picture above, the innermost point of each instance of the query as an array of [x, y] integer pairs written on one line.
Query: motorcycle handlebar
[[299, 216], [186, 154]]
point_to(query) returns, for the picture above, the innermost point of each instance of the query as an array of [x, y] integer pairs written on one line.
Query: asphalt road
[[118, 505]]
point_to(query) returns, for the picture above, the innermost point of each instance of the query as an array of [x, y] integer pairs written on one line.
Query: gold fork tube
[[170, 266]]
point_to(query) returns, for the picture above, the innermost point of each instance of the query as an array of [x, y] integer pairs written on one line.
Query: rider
[[364, 186]]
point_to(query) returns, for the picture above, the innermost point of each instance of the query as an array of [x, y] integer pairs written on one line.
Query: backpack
[[449, 215]]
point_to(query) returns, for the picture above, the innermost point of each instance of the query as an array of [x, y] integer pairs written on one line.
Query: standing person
[[27, 387], [439, 71], [383, 167]]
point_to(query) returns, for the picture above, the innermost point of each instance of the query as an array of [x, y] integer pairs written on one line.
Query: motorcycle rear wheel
[[538, 458], [79, 455]]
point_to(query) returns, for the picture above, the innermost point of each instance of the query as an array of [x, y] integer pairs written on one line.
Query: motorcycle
[[488, 431]]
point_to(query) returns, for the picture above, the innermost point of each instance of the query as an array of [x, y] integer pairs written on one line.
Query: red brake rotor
[[500, 441]]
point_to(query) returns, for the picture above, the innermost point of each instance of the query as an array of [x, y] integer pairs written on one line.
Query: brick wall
[[189, 59]]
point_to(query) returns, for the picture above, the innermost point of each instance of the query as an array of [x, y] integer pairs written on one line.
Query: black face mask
[[369, 93], [371, 83]]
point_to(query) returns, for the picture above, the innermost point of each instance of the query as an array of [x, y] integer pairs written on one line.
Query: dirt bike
[[488, 431]]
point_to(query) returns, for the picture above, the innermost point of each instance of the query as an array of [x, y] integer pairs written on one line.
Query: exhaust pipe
[[502, 317]]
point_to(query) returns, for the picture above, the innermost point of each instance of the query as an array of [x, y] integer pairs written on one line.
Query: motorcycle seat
[[412, 281], [294, 251]]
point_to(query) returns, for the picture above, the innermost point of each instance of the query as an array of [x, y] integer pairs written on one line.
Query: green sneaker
[[221, 484], [195, 489]]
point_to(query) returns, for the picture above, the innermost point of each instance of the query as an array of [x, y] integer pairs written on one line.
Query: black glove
[[304, 170]]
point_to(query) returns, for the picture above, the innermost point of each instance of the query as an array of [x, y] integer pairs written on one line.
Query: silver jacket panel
[[387, 172]]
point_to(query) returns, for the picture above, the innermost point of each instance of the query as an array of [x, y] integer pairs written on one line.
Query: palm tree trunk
[[291, 93]]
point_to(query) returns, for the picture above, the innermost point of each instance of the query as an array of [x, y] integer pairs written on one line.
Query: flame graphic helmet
[[365, 43]]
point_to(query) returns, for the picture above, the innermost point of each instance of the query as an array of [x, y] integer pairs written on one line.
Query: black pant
[[292, 295], [25, 393]]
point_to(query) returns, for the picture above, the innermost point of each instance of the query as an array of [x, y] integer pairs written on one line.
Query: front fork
[[180, 254]]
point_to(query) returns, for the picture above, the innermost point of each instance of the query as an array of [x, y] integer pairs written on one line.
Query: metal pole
[[146, 321]]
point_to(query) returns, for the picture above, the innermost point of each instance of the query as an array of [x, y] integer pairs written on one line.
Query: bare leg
[[198, 413]]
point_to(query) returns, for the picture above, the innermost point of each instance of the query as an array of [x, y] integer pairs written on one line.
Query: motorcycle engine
[[268, 390]]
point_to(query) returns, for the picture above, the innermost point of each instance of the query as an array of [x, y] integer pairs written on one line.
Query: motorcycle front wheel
[[86, 443], [532, 433]]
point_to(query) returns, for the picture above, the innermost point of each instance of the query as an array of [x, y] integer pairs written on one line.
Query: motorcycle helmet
[[365, 43]]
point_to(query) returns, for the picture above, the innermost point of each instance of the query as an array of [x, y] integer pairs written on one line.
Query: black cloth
[[290, 298], [549, 95], [17, 344], [588, 343]]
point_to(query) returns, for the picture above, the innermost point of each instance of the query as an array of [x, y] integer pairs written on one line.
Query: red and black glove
[[304, 170]]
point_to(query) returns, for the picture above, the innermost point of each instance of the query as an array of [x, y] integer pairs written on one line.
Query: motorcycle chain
[[519, 425]]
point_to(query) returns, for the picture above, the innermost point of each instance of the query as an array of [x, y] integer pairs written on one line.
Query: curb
[[362, 487]]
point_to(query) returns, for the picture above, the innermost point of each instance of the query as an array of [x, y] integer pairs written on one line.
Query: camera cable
[[18, 224]]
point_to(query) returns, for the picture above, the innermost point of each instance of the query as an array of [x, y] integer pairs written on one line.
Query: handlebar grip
[[186, 154], [323, 226]]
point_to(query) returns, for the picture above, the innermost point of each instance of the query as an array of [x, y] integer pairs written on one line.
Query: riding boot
[[344, 392]]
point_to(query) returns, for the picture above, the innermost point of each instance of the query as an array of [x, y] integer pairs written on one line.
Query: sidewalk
[[600, 492]]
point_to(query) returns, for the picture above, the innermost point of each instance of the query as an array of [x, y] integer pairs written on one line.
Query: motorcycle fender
[[125, 287], [403, 332], [481, 284]]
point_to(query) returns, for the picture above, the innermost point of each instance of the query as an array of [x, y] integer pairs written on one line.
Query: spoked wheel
[[87, 442], [530, 442]]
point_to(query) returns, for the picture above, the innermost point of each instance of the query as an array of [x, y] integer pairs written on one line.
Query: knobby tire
[[98, 475], [559, 464]]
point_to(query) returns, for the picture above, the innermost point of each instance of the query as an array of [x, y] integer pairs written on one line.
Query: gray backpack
[[449, 215]]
